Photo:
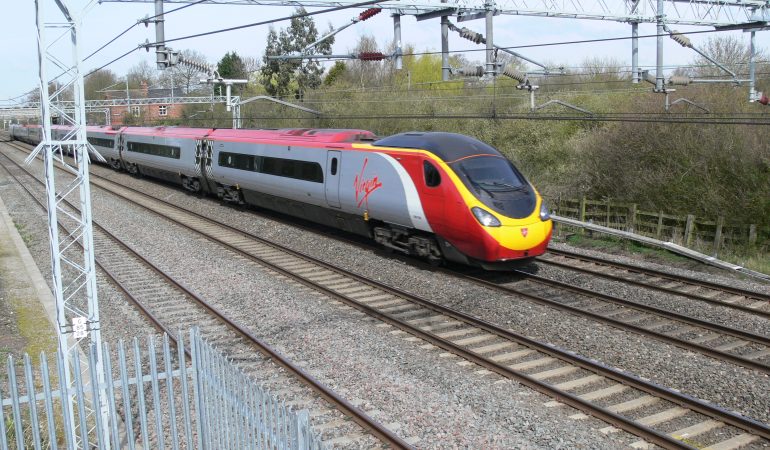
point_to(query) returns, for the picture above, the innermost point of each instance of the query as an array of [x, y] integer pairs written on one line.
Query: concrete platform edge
[[44, 294]]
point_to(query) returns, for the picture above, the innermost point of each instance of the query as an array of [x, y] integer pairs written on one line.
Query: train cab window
[[432, 176], [334, 166]]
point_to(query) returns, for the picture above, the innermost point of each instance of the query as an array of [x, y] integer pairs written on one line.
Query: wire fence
[[154, 396]]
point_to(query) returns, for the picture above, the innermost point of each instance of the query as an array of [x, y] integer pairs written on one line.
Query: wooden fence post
[[718, 235], [631, 220], [608, 213], [752, 234], [582, 212], [688, 229], [659, 231]]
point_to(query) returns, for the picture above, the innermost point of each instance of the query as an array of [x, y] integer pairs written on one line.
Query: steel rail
[[608, 416], [142, 307], [658, 273], [666, 441], [652, 286], [339, 403], [622, 422], [666, 314], [647, 433], [717, 354]]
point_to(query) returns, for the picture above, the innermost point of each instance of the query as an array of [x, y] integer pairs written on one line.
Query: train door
[[432, 192], [203, 155], [332, 185], [121, 144]]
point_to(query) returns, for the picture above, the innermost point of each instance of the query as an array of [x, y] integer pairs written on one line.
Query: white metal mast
[[74, 275]]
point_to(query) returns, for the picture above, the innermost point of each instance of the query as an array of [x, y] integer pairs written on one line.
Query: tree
[[365, 72], [335, 74], [284, 77], [101, 79], [140, 73], [231, 67], [729, 51], [251, 67], [183, 76]]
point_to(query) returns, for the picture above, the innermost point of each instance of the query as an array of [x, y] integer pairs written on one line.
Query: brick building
[[144, 105]]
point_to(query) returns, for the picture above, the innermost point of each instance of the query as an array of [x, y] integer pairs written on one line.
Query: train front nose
[[518, 241]]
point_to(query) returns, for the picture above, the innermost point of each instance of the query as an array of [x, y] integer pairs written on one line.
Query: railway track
[[171, 306], [656, 414], [752, 302], [718, 341]]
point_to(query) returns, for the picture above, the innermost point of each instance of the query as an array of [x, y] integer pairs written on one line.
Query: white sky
[[18, 49]]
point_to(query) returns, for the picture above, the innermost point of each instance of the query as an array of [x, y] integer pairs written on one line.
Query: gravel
[[421, 393]]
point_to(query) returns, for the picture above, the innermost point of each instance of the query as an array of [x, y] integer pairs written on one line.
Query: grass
[[616, 245], [756, 261], [33, 325], [25, 236]]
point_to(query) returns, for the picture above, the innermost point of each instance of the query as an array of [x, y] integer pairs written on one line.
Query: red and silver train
[[439, 196]]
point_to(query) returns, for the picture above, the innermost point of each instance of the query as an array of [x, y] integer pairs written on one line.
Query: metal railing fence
[[156, 397]]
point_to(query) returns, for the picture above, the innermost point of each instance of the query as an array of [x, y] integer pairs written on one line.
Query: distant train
[[439, 196]]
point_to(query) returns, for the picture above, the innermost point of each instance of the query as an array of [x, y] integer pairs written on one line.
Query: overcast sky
[[106, 20]]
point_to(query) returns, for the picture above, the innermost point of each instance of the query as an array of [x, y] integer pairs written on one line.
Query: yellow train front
[[481, 209]]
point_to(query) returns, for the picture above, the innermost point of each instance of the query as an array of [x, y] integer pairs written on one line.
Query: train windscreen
[[497, 184]]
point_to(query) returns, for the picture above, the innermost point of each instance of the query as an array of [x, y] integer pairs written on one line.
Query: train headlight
[[485, 218], [544, 214]]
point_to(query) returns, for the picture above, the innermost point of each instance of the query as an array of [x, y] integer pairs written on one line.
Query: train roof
[[297, 135], [168, 131], [448, 146]]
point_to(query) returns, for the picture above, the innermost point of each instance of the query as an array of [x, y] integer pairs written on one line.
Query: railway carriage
[[439, 196], [105, 140], [26, 133], [166, 153]]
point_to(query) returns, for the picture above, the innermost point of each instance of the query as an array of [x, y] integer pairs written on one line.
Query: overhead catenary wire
[[668, 118], [366, 3], [452, 85], [239, 27], [145, 20]]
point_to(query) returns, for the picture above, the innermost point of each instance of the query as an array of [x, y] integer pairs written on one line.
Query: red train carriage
[[440, 196]]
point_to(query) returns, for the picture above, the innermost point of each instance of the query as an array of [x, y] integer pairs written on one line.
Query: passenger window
[[432, 177], [334, 166]]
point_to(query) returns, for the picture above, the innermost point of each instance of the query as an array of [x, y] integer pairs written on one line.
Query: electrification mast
[[74, 277]]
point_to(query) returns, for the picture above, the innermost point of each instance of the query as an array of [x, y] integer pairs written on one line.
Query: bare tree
[[602, 68], [364, 72], [252, 67], [141, 72], [97, 81], [183, 75], [729, 51]]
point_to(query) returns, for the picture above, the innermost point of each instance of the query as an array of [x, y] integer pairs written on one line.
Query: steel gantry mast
[[74, 277]]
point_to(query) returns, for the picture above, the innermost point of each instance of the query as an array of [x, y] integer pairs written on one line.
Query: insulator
[[519, 76], [471, 71], [472, 36], [202, 67], [369, 13], [371, 56], [681, 39], [679, 80]]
